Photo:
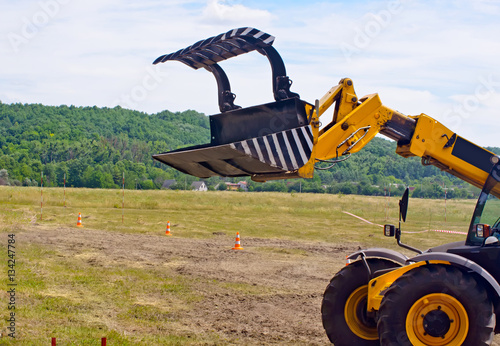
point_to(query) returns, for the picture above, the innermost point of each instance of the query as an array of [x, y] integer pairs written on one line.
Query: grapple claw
[[272, 140]]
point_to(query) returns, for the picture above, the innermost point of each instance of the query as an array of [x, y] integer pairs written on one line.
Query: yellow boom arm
[[355, 123]]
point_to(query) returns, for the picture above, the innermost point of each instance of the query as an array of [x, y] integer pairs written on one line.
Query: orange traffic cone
[[79, 222], [167, 232], [237, 245]]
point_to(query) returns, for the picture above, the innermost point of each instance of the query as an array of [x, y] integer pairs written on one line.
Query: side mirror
[[403, 205], [389, 230], [483, 230]]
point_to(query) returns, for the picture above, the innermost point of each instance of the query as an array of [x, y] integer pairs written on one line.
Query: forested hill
[[94, 146]]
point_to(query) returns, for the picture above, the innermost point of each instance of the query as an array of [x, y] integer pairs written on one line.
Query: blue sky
[[435, 57]]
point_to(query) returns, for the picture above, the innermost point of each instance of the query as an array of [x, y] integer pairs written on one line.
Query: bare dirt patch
[[268, 293]]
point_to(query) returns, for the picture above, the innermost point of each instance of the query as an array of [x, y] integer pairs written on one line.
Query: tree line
[[93, 147]]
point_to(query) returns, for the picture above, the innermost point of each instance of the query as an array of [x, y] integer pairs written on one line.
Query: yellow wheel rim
[[354, 310], [437, 319]]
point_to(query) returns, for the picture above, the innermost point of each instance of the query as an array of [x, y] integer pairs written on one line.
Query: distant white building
[[199, 186]]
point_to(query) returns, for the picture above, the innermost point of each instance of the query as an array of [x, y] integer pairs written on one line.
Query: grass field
[[129, 282], [314, 217]]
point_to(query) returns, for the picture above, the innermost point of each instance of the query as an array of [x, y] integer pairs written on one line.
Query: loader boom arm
[[283, 140], [355, 123]]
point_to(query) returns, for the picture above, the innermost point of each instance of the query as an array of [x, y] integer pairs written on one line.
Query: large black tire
[[436, 305], [349, 325]]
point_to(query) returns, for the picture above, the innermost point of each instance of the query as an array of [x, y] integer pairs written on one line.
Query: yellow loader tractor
[[447, 295]]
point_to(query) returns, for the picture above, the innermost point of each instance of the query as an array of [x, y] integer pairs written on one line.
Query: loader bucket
[[269, 141]]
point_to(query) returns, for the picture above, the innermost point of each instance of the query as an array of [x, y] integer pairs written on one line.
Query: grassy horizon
[[259, 214]]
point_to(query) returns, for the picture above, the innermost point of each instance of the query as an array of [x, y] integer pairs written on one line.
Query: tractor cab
[[485, 224], [482, 245], [484, 229], [268, 141]]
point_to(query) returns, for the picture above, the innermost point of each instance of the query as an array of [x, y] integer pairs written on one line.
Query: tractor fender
[[380, 253], [460, 262]]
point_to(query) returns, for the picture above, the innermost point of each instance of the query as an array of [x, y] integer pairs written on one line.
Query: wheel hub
[[437, 319], [436, 323], [355, 315], [362, 315]]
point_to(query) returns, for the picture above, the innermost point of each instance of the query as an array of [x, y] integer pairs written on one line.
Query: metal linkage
[[346, 152], [366, 128]]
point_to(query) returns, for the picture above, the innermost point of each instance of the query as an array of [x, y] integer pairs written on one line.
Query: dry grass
[[83, 297], [197, 215]]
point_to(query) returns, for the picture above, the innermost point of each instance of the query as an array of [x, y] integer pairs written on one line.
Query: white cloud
[[486, 6], [222, 11]]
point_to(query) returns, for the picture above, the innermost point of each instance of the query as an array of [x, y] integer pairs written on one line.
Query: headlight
[[389, 230]]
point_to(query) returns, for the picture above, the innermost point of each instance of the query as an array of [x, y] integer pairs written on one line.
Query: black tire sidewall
[[343, 284]]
